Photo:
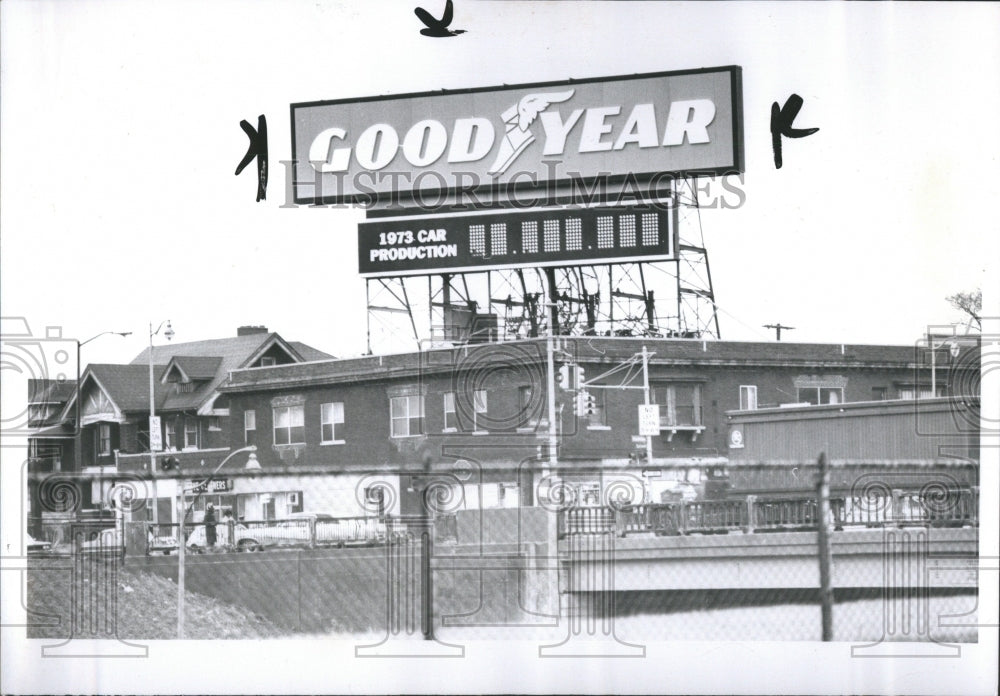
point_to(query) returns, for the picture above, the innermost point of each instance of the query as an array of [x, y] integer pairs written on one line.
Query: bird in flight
[[437, 27]]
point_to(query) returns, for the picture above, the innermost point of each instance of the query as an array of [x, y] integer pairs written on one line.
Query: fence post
[[751, 516], [312, 532], [897, 506], [619, 518], [823, 531]]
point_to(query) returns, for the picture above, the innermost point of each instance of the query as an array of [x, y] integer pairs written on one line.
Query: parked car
[[34, 546], [244, 539], [299, 528], [108, 541]]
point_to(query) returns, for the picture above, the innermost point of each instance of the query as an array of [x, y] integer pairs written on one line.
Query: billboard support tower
[[658, 298], [696, 309]]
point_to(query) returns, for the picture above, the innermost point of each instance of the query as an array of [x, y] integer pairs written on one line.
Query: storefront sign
[[213, 486]]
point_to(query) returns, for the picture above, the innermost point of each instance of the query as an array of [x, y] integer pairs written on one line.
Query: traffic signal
[[562, 377], [584, 404], [579, 376]]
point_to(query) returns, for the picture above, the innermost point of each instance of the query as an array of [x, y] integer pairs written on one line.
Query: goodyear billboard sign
[[518, 138]]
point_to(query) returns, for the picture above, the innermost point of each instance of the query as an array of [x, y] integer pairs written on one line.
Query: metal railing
[[754, 514]]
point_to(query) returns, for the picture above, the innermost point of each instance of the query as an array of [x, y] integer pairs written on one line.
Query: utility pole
[[778, 327], [645, 391], [153, 422]]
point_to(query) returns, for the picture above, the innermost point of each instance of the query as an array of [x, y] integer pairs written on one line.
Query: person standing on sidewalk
[[209, 521]]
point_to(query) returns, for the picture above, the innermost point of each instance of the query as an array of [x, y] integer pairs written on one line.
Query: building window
[[214, 424], [406, 414], [289, 425], [524, 395], [169, 435], [680, 404], [748, 397], [450, 419], [268, 362], [191, 431], [820, 395], [878, 393], [250, 427], [104, 439], [478, 408], [332, 422], [922, 391]]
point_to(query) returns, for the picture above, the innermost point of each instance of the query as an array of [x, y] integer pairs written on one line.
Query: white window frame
[[448, 402], [268, 361], [668, 409], [103, 439], [169, 434], [819, 389], [249, 424], [296, 419], [197, 434], [479, 407], [749, 403], [401, 410], [328, 416]]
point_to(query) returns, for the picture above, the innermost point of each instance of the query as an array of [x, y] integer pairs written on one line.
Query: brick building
[[328, 432], [114, 417]]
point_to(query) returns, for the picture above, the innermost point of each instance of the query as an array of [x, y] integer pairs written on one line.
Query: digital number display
[[482, 241]]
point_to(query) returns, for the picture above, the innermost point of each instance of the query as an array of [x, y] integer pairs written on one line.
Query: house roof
[[50, 391], [194, 367], [128, 385], [598, 353], [225, 354], [308, 353], [205, 363]]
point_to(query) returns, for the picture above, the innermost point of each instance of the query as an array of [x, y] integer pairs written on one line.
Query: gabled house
[[50, 444], [115, 406]]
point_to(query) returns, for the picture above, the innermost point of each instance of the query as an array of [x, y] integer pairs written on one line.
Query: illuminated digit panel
[[403, 246]]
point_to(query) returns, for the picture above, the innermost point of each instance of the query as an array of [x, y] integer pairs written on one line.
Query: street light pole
[[169, 333], [252, 464], [78, 439], [645, 391]]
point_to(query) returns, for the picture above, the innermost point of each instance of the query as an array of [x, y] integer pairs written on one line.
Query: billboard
[[421, 245], [518, 138]]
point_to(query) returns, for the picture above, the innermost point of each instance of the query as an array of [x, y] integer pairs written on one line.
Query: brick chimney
[[250, 330]]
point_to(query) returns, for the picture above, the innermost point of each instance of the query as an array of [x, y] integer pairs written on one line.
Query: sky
[[120, 139], [119, 136]]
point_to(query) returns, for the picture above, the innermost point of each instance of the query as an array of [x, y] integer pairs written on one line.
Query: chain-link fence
[[395, 558]]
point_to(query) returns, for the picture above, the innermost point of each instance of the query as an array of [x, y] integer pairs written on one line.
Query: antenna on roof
[[777, 328]]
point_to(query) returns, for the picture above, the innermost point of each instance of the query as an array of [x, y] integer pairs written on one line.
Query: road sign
[[155, 434], [649, 419]]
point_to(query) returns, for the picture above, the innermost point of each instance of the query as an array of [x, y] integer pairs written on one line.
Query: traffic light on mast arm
[[584, 404]]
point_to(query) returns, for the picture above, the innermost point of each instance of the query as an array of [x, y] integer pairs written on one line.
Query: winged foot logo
[[518, 119]]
